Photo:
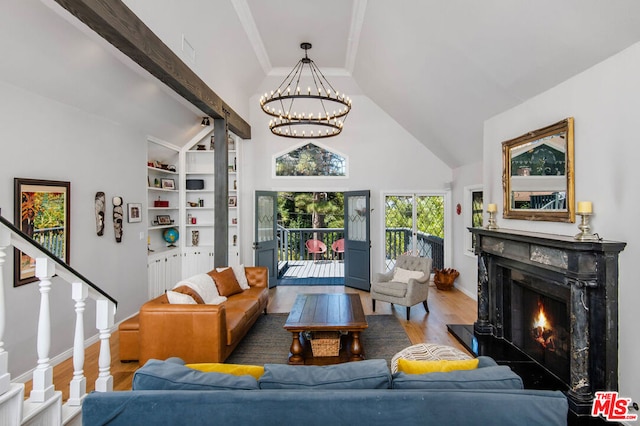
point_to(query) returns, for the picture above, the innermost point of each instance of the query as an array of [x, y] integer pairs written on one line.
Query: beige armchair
[[406, 284]]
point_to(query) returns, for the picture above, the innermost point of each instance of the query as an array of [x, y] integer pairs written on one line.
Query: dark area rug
[[268, 343]]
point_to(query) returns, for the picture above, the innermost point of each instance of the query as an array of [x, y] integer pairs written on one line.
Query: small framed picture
[[135, 212], [233, 201], [168, 184], [163, 219]]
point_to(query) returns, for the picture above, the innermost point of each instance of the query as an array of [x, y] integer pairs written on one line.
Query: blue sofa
[[169, 393]]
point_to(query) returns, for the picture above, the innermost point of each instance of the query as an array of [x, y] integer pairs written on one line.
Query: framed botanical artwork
[[41, 211], [134, 211], [163, 219], [233, 201], [168, 184]]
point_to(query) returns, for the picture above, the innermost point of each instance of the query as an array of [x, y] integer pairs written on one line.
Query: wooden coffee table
[[326, 312]]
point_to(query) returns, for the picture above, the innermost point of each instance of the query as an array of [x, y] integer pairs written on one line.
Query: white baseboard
[[28, 375]]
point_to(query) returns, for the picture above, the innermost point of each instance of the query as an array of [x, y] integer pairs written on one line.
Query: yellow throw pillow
[[442, 366], [234, 369]]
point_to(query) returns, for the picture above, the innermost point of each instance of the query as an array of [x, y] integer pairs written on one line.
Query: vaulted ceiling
[[439, 68]]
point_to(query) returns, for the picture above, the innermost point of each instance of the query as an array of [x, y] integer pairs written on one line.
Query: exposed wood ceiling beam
[[117, 24]]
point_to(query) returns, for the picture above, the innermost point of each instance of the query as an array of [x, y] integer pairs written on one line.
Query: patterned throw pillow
[[226, 282]]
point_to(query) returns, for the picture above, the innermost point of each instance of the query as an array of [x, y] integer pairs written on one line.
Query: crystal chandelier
[[318, 112]]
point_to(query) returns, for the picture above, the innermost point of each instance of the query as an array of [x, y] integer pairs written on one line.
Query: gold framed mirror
[[538, 175]]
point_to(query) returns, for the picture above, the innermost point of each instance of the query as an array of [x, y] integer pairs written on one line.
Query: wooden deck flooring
[[309, 272]]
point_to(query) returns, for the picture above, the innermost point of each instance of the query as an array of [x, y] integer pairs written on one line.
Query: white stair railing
[[44, 405]]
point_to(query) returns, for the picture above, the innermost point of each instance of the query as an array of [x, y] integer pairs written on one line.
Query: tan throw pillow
[[226, 282], [190, 292], [404, 275]]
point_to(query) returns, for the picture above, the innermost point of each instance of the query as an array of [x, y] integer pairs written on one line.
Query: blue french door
[[265, 244], [357, 241]]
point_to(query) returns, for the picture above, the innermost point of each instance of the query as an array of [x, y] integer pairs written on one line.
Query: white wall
[[604, 101], [383, 157], [464, 261], [94, 155]]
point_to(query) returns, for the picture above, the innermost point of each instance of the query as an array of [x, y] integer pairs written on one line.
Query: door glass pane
[[476, 214], [265, 218], [398, 227], [414, 224], [357, 218], [430, 228]]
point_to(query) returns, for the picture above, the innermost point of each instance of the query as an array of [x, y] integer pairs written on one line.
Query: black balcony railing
[[291, 243], [399, 241]]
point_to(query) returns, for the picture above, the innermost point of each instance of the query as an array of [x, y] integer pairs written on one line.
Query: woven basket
[[444, 278], [325, 343]]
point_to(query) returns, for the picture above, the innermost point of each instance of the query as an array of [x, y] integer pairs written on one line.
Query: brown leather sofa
[[202, 333]]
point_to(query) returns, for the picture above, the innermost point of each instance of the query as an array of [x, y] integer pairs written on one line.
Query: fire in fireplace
[[540, 325]]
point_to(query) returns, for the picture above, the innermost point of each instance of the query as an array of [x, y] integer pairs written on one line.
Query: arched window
[[310, 160]]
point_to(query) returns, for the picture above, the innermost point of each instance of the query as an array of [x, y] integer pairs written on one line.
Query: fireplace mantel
[[586, 272]]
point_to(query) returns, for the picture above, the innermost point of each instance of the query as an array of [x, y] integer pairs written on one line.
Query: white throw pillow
[[203, 285], [404, 275], [176, 298], [240, 274]]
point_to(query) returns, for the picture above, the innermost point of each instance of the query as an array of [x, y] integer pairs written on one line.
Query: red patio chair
[[338, 247], [315, 247]]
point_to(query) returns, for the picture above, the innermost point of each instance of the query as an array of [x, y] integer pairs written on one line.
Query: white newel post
[[105, 311], [78, 385], [5, 377], [43, 388]]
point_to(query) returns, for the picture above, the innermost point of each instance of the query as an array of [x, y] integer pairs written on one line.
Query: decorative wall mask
[[100, 202], [118, 215]]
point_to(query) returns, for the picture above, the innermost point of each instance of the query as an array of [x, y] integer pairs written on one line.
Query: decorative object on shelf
[[160, 203], [195, 238], [212, 144], [201, 202], [164, 219], [234, 221], [320, 111], [231, 144], [193, 184], [235, 240], [171, 235], [201, 147], [492, 209], [205, 121], [444, 278], [192, 204], [100, 206], [168, 184], [134, 212], [233, 201], [156, 183], [41, 210], [585, 210], [458, 209], [118, 215]]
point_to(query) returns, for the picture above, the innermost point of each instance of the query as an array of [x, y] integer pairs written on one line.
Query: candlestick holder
[[492, 221], [585, 229]]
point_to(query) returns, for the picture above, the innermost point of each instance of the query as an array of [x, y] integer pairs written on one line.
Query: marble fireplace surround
[[586, 271]]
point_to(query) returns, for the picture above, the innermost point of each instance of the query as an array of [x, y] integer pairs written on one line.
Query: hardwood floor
[[446, 307]]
